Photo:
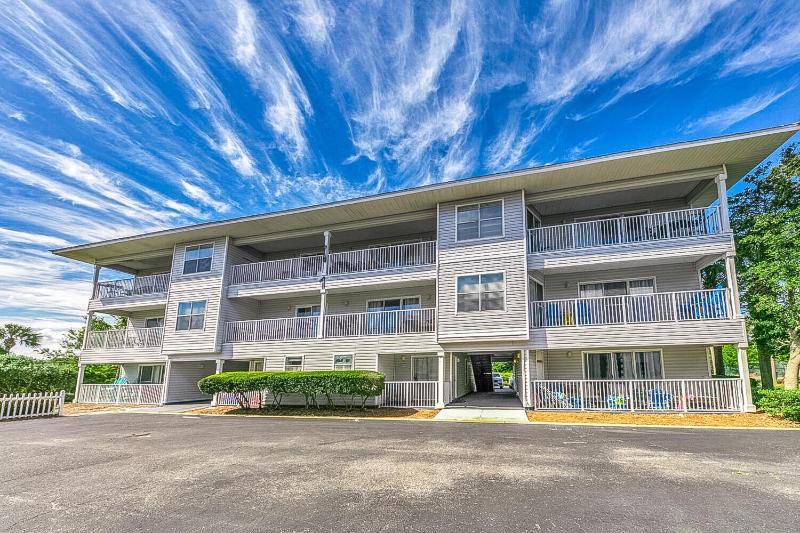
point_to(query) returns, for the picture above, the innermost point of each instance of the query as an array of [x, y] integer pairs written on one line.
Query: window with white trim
[[623, 365], [154, 322], [424, 369], [256, 366], [393, 304], [293, 363], [481, 292], [478, 221], [191, 315], [197, 259], [617, 288], [306, 311], [150, 374], [343, 361]]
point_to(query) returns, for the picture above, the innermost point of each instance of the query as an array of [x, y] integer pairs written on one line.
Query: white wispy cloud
[[722, 119]]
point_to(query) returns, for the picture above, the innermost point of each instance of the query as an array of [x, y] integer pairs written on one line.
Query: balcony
[[124, 339], [713, 304], [346, 325], [668, 225], [138, 286], [648, 395], [383, 258], [124, 393]]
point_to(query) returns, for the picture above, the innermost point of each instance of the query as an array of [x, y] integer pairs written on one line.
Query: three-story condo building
[[584, 274]]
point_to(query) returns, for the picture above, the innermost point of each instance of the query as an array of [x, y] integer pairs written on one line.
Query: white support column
[[95, 279], [323, 291], [220, 364], [526, 376], [722, 196], [167, 372], [440, 383], [79, 382], [744, 377], [733, 284], [87, 329]]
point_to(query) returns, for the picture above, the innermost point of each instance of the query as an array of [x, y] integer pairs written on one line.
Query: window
[[293, 363], [536, 290], [480, 292], [393, 304], [343, 361], [617, 288], [191, 315], [623, 365], [154, 322], [479, 221], [150, 374], [424, 368], [198, 258], [257, 365], [306, 311], [532, 221]]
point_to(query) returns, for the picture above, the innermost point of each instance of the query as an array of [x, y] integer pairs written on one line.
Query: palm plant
[[13, 334]]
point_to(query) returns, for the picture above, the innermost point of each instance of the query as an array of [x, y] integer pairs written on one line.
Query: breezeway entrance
[[488, 388]]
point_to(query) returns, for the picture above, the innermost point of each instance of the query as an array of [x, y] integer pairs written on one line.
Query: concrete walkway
[[499, 406]]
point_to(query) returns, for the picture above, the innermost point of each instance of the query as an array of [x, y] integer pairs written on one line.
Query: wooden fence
[[14, 406]]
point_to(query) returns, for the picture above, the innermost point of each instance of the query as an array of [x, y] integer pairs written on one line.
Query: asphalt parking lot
[[123, 472]]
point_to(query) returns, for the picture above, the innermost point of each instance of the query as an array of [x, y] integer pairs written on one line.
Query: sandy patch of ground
[[383, 412], [744, 420], [83, 408]]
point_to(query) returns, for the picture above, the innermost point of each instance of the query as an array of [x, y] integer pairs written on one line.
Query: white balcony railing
[[712, 304], [279, 269], [383, 258], [688, 395], [410, 394], [381, 323], [138, 286], [272, 329], [127, 393], [115, 339], [625, 230]]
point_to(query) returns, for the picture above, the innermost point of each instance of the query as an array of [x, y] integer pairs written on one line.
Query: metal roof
[[739, 152]]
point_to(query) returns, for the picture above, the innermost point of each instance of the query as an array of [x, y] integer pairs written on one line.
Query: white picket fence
[[123, 393], [14, 406]]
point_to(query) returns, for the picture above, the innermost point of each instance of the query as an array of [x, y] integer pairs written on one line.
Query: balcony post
[[95, 279], [744, 378], [440, 382], [165, 385], [220, 364], [87, 329], [722, 196], [79, 382], [733, 284]]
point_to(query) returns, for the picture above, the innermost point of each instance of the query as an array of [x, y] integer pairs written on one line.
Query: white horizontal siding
[[183, 378], [669, 278], [708, 332], [652, 207], [680, 362], [205, 286]]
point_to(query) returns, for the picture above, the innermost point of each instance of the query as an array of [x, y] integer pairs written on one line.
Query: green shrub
[[780, 402], [349, 384], [19, 374]]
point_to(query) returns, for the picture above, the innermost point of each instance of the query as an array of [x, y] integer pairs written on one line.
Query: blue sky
[[123, 117]]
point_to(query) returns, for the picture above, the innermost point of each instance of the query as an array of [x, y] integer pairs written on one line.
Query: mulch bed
[[743, 420], [370, 412]]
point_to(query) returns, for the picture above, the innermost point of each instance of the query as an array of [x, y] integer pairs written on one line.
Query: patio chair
[[121, 381], [659, 399]]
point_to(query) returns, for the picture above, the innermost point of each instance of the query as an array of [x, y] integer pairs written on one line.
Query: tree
[[766, 222], [73, 338], [13, 334]]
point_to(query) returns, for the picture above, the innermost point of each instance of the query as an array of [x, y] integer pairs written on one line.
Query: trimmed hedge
[[348, 384], [780, 402], [19, 374]]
